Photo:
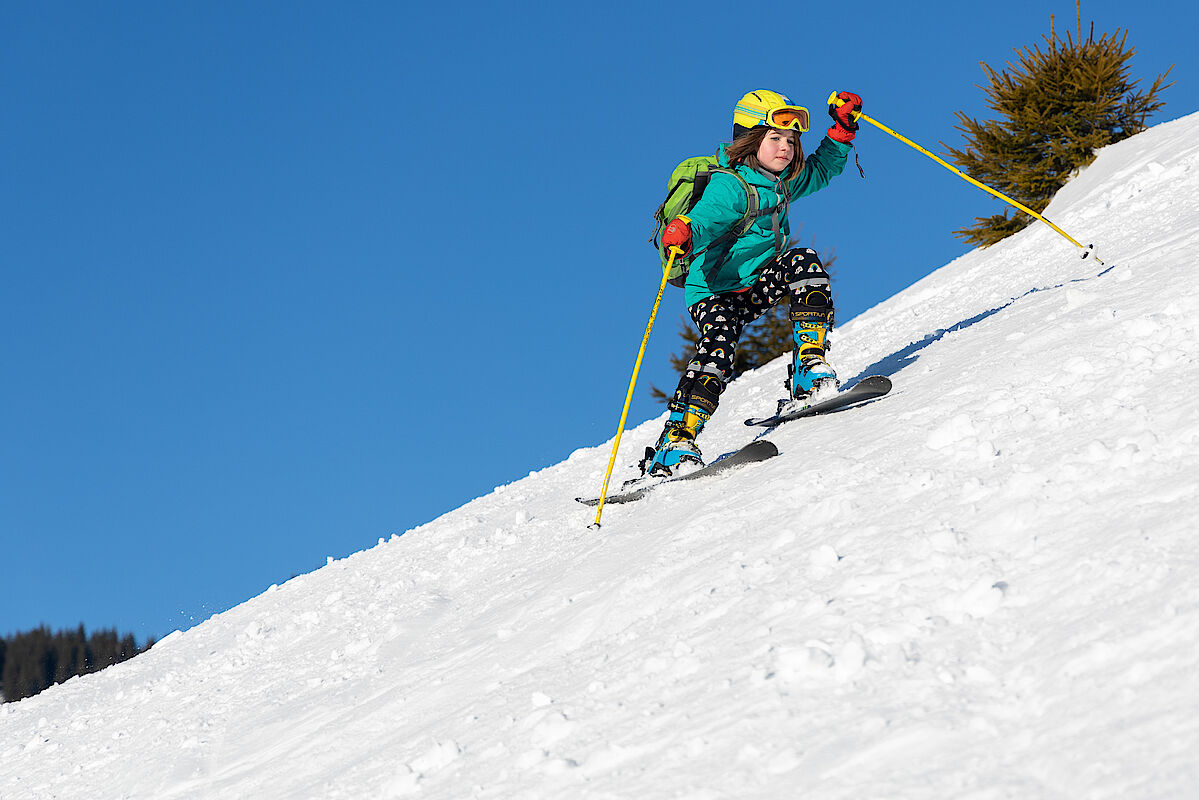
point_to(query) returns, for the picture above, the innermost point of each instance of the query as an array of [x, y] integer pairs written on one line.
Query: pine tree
[[1056, 107]]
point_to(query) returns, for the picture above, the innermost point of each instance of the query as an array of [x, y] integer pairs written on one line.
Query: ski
[[753, 452], [866, 389]]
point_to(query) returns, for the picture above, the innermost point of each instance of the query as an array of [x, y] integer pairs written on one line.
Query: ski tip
[[881, 382], [766, 446]]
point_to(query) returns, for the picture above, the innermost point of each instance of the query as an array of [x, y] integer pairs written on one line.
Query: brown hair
[[744, 150]]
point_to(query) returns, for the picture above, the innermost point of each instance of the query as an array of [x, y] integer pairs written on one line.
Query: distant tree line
[[37, 659]]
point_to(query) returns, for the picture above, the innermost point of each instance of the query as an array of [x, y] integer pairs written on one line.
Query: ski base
[[866, 389], [751, 453]]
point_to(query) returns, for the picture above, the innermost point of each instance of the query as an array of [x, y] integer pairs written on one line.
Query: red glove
[[846, 124], [677, 234]]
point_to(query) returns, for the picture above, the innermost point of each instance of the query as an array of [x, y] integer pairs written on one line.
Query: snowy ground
[[981, 587]]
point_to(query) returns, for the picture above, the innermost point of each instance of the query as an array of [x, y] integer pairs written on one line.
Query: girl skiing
[[732, 280]]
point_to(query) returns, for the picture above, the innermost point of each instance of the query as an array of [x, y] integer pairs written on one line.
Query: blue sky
[[281, 279]]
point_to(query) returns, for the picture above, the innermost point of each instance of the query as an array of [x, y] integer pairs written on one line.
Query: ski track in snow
[[979, 587]]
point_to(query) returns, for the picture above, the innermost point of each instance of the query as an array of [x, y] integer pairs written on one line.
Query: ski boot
[[809, 373], [676, 448]]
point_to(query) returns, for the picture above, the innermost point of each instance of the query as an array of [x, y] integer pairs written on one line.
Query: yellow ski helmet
[[764, 107]]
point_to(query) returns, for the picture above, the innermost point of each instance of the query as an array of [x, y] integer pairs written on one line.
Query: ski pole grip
[[833, 100]]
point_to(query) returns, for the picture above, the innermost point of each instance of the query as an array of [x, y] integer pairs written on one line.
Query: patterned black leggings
[[721, 318]]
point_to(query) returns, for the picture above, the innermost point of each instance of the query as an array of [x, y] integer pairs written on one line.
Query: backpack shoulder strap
[[752, 202]]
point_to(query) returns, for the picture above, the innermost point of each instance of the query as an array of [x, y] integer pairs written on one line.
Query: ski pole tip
[[1089, 250]]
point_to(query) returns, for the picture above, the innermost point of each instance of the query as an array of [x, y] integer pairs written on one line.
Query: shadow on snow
[[893, 363]]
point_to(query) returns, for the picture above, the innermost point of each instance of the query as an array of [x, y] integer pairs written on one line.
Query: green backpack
[[686, 186]]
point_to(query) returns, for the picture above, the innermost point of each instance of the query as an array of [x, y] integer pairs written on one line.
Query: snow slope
[[982, 586]]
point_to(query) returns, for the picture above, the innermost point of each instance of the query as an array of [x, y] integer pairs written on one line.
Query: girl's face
[[776, 151]]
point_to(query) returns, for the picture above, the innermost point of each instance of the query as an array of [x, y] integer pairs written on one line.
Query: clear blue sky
[[280, 279]]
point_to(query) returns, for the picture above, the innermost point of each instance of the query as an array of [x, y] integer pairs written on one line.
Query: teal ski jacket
[[734, 263]]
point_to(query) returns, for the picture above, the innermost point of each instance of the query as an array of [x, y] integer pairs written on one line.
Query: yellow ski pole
[[674, 251], [1086, 251]]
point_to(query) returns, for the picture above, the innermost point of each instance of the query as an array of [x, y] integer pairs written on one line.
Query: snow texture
[[980, 587]]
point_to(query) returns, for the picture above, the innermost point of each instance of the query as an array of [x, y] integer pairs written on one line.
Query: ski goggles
[[785, 117]]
